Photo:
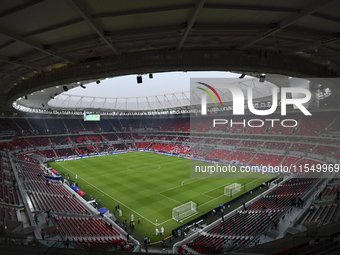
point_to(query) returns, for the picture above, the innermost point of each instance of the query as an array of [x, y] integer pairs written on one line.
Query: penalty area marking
[[224, 195], [194, 180], [159, 193], [155, 224], [205, 193]]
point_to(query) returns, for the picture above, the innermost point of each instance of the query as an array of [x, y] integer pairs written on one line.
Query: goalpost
[[232, 189], [184, 211]]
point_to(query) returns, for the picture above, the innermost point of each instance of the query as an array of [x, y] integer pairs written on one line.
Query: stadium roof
[[44, 44]]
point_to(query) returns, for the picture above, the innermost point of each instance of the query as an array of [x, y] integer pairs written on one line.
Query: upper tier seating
[[218, 154], [55, 125], [38, 125], [23, 126], [95, 138], [303, 147], [266, 160], [124, 124], [46, 153], [65, 152], [241, 156], [86, 150], [105, 125], [289, 160], [322, 150], [251, 144], [7, 124], [181, 125], [259, 130], [278, 129], [39, 141], [60, 140], [73, 125], [91, 126], [276, 145], [79, 139], [313, 125], [199, 151], [116, 124], [236, 128]]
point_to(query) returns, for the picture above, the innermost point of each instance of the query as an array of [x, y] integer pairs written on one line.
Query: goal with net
[[184, 211], [232, 189]]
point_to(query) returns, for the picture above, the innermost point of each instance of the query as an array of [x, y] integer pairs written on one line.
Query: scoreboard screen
[[91, 116]]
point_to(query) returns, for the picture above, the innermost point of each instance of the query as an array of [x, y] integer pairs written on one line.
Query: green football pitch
[[150, 185]]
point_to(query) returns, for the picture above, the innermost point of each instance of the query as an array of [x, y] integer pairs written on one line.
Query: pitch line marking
[[180, 185], [146, 165], [170, 198], [109, 196], [155, 224], [108, 174], [197, 179], [159, 193], [207, 196], [164, 222], [216, 188], [223, 194], [128, 170], [205, 193], [190, 182]]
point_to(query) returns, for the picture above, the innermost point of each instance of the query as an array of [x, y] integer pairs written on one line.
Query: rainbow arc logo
[[204, 99]]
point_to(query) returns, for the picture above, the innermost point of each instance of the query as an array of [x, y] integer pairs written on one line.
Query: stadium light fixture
[[65, 88], [139, 79], [242, 76], [262, 77], [81, 85], [97, 81], [25, 97], [150, 76]]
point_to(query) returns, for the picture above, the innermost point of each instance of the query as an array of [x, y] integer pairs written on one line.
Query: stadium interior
[[48, 47]]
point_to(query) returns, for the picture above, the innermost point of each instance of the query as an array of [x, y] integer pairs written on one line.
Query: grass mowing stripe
[[109, 195], [154, 185]]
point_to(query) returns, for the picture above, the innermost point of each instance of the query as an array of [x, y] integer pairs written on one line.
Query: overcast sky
[[162, 83]]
